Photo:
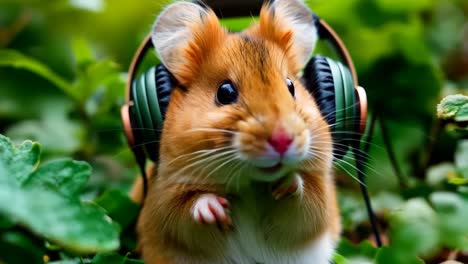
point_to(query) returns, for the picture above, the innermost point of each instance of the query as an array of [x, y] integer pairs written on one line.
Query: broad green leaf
[[66, 222], [462, 114], [16, 247], [18, 161], [452, 211], [119, 207], [12, 58], [449, 107], [66, 176], [106, 258], [392, 255], [414, 228], [74, 226]]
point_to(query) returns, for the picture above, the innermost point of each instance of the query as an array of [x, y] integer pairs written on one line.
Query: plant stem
[[391, 153]]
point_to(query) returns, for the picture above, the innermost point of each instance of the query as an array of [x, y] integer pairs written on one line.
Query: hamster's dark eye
[[290, 85], [226, 94]]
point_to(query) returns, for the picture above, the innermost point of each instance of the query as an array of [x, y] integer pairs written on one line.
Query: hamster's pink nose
[[280, 141]]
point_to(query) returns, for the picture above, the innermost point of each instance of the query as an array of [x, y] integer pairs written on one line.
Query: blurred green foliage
[[63, 67]]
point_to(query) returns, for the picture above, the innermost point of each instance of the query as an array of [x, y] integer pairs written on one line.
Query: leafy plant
[[44, 200]]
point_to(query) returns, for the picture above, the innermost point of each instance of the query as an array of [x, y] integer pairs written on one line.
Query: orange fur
[[257, 61]]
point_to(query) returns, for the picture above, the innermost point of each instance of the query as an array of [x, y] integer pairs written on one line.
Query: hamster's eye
[[290, 85], [226, 94]]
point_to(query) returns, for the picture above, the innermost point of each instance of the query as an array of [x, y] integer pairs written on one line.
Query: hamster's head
[[240, 109]]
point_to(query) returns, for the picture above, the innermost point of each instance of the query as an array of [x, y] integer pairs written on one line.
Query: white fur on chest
[[247, 244]]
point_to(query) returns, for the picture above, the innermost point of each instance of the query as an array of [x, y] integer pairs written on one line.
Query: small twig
[[391, 153], [8, 34]]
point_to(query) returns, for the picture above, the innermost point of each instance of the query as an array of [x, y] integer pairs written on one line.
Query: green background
[[63, 65]]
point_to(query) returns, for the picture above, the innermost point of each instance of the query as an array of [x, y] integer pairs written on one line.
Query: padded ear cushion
[[322, 78], [145, 129], [318, 80], [151, 94], [165, 82]]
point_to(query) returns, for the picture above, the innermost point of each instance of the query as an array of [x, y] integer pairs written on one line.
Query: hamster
[[245, 171]]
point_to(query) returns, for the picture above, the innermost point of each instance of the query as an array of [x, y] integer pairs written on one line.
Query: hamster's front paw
[[212, 209], [288, 186]]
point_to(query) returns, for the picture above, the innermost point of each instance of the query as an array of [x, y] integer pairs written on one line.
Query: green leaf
[[82, 51], [18, 162], [66, 176], [119, 207], [82, 228], [414, 228], [68, 223], [462, 114], [452, 211], [449, 107], [392, 255], [12, 58], [99, 74]]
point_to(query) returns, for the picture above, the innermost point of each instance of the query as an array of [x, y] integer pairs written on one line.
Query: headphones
[[333, 85]]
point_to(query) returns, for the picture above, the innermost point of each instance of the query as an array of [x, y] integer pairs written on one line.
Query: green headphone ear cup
[[153, 100], [339, 98], [350, 101], [147, 131], [137, 123]]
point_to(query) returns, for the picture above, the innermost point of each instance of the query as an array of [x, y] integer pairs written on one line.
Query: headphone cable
[[361, 159]]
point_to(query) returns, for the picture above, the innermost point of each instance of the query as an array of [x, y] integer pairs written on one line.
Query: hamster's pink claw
[[288, 186], [211, 209]]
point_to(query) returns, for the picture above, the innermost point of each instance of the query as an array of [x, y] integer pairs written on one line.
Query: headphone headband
[[324, 31]]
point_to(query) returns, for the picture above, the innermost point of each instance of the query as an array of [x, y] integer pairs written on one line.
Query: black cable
[[391, 154], [360, 161], [145, 179], [140, 158]]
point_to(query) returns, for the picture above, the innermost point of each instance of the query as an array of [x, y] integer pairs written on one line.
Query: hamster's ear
[[290, 24], [183, 35]]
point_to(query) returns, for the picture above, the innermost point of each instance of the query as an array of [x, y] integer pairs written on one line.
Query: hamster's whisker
[[212, 162], [313, 136], [342, 167], [133, 147], [360, 153], [230, 173], [223, 161], [210, 158], [200, 153], [341, 110]]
